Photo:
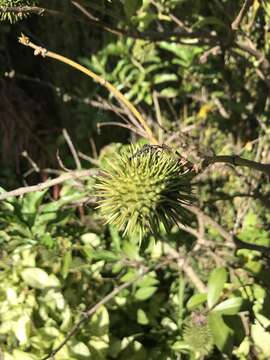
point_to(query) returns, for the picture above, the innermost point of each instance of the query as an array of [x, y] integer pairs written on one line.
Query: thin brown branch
[[49, 183], [72, 149], [243, 11], [237, 161], [188, 270], [251, 49]]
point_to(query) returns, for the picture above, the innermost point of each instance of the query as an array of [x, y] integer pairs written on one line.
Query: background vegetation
[[77, 288]]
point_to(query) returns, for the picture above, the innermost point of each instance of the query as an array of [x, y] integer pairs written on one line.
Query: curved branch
[[49, 183], [236, 161]]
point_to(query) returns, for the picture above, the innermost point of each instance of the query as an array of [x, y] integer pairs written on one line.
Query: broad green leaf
[[80, 350], [261, 339], [22, 329], [196, 300], [142, 317], [222, 334], [216, 282], [36, 278], [145, 293], [148, 280], [230, 306]]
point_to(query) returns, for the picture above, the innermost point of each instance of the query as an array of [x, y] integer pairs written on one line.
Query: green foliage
[[202, 298]]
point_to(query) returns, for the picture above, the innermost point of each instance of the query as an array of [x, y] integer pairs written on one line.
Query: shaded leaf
[[216, 282], [222, 334]]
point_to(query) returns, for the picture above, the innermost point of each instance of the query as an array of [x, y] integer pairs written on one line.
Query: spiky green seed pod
[[12, 17], [142, 188], [197, 335]]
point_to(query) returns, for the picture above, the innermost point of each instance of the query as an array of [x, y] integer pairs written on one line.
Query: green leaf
[[67, 261], [145, 293], [21, 355], [142, 317], [81, 350], [32, 201], [216, 282], [37, 278], [161, 78], [261, 339], [229, 307], [148, 280], [105, 255], [196, 300], [169, 92], [222, 334], [22, 329]]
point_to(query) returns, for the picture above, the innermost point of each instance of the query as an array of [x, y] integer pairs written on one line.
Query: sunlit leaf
[[216, 282]]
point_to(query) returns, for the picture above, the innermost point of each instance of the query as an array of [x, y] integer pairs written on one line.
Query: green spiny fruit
[[197, 335], [12, 17], [143, 187]]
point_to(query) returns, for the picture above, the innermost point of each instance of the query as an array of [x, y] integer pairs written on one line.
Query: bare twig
[[243, 11], [31, 161], [215, 50], [249, 47], [46, 184], [126, 126], [91, 160], [236, 161], [72, 149], [188, 270]]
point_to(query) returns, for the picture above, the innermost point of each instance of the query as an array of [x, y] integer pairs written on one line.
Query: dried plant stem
[[237, 161], [46, 184], [237, 21], [72, 149], [119, 96]]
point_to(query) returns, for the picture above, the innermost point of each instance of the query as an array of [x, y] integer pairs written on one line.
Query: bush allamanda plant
[[142, 188]]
